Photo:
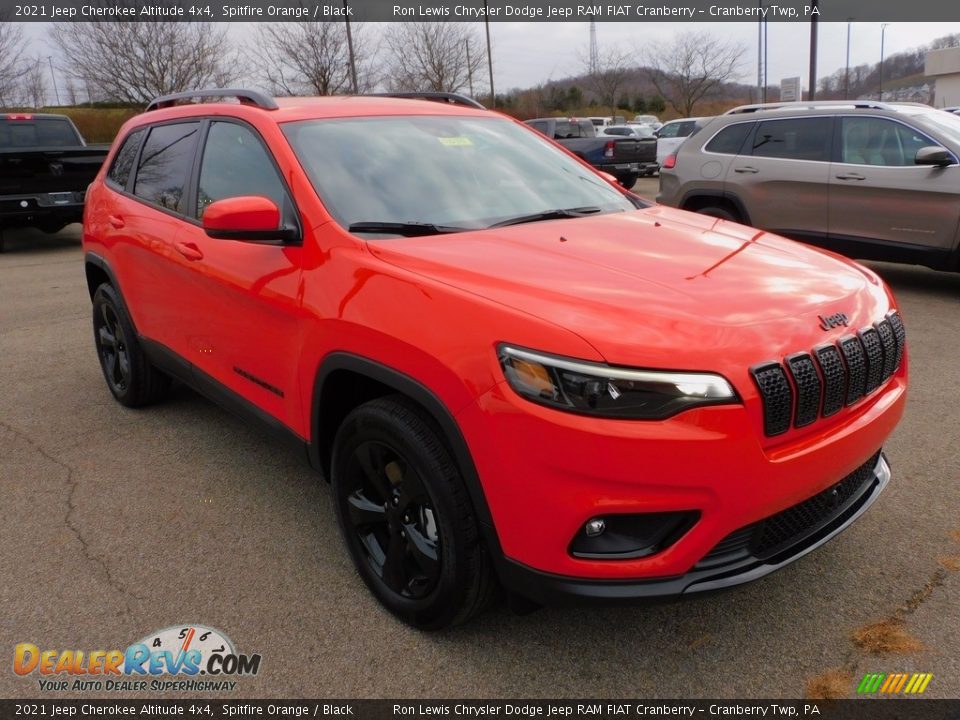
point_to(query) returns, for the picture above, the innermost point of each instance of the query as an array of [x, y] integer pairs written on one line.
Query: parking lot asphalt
[[118, 522]]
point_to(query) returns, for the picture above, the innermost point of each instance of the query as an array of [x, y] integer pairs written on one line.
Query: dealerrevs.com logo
[[186, 657]]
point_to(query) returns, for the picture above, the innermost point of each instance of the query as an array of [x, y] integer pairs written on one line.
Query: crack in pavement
[[69, 521]]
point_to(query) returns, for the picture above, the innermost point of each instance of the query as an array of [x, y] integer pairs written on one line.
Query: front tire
[[406, 516], [132, 380]]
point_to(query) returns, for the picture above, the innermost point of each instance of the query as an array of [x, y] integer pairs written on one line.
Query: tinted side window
[[794, 139], [235, 163], [123, 161], [685, 128], [165, 163], [729, 140], [567, 129]]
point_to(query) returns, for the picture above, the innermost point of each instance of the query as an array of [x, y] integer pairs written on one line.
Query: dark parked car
[[625, 158], [45, 168]]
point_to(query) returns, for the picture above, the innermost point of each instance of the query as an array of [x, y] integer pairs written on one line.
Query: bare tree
[[312, 58], [691, 67], [12, 66], [137, 61], [33, 84], [440, 57], [613, 70], [72, 95]]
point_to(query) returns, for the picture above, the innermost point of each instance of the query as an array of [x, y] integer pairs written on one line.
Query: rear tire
[[628, 181], [406, 516], [132, 380]]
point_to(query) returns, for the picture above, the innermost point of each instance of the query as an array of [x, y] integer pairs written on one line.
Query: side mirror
[[934, 155], [249, 217]]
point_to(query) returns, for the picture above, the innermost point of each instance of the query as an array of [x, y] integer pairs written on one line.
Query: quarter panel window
[[235, 163], [729, 140], [165, 164], [794, 139], [125, 157]]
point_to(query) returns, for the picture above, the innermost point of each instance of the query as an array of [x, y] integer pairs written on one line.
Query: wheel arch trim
[[426, 398], [729, 197]]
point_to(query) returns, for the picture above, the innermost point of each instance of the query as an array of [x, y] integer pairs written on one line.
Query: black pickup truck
[[624, 158], [45, 167]]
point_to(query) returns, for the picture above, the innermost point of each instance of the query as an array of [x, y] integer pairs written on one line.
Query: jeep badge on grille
[[832, 321]]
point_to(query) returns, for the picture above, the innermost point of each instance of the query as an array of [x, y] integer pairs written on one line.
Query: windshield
[[453, 172], [945, 124]]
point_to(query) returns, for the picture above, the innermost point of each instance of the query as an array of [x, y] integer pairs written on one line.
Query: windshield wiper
[[406, 229], [557, 214]]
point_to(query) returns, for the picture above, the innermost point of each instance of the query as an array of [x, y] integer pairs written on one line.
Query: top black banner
[[478, 10]]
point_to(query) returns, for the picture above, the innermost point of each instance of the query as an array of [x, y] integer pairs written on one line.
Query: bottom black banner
[[879, 709]]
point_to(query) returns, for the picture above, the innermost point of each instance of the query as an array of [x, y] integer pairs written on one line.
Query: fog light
[[595, 527], [622, 537]]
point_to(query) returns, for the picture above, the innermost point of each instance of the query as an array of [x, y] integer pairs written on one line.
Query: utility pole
[[883, 32], [486, 22], [812, 80], [54, 78], [353, 62], [760, 92], [469, 67]]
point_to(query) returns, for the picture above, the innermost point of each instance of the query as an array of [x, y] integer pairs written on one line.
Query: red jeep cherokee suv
[[512, 371]]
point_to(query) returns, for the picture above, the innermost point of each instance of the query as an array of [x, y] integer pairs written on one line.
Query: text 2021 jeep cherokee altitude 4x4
[[511, 370]]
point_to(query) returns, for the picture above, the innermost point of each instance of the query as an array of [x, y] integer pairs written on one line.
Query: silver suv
[[867, 179]]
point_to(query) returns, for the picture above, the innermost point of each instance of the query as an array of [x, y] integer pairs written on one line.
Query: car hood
[[657, 287]]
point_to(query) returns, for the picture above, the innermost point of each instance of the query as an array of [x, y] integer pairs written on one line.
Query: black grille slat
[[834, 378], [874, 350], [808, 385], [899, 334], [856, 360], [776, 396], [889, 344]]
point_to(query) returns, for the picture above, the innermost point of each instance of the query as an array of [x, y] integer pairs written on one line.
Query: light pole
[[812, 81], [54, 78], [486, 22], [353, 63], [883, 32], [846, 76]]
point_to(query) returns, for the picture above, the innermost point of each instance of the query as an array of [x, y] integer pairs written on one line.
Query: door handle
[[188, 250], [850, 176], [116, 221], [750, 170]]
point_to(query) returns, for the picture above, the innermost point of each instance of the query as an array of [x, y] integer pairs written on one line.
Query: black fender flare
[[720, 195], [426, 398]]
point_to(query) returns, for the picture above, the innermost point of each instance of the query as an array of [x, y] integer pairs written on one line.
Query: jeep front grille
[[808, 386]]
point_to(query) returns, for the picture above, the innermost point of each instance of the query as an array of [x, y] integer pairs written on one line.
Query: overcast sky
[[525, 54]]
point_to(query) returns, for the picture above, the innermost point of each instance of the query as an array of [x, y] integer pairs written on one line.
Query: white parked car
[[634, 131], [671, 135]]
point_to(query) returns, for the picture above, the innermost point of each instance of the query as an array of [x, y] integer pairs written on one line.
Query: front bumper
[[739, 558]]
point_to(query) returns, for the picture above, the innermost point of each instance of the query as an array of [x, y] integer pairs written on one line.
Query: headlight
[[605, 391]]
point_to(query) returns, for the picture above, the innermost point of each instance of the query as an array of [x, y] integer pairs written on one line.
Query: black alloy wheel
[[392, 514], [406, 516], [132, 380]]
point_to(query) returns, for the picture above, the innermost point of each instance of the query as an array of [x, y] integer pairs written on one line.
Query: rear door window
[[794, 139], [165, 163]]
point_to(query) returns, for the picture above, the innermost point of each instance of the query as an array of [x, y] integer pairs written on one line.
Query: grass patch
[[886, 636], [831, 685]]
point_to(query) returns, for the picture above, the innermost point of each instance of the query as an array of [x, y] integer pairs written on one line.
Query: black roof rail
[[444, 97], [246, 97]]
